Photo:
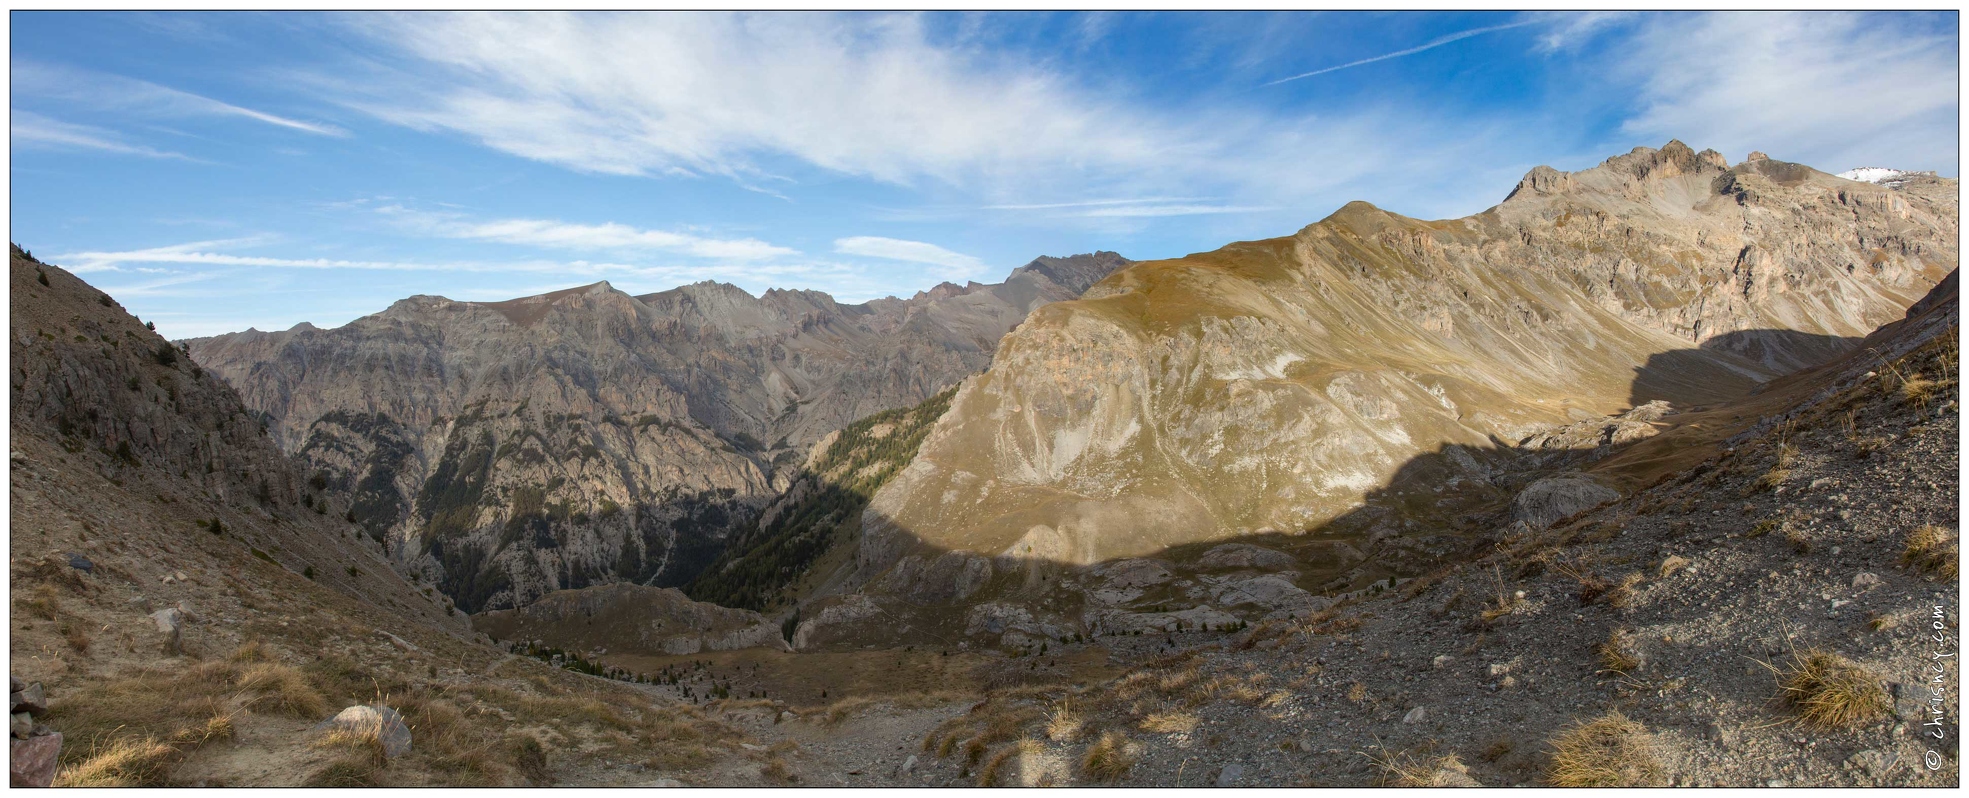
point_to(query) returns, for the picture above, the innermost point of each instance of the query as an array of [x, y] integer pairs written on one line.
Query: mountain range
[[507, 449]]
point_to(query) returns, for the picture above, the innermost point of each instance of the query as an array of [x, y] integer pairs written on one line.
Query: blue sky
[[220, 171]]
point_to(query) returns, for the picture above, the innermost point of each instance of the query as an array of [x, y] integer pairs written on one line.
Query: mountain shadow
[[1438, 509], [1700, 376]]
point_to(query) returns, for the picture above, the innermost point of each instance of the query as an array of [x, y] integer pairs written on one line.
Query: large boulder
[[1546, 501], [373, 720]]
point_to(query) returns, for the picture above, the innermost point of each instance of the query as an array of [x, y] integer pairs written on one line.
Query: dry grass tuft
[[993, 772], [251, 651], [776, 771], [1622, 595], [842, 710], [1932, 550], [349, 770], [1617, 654], [1609, 751], [1405, 769], [1109, 758], [76, 635], [129, 762], [1918, 391], [1830, 691], [359, 743], [1062, 725], [1170, 722], [44, 602], [1769, 480], [284, 690]]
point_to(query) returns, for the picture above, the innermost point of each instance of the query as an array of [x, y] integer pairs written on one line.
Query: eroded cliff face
[[1384, 367], [585, 436]]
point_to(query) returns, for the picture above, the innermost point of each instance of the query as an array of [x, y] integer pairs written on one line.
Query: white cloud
[[1091, 203], [1573, 29], [552, 234], [1151, 211], [207, 253], [162, 286], [116, 93], [724, 94], [956, 266], [1428, 45], [30, 129], [1830, 90], [764, 99]]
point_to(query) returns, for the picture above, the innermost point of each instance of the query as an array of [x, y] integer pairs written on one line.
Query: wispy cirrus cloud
[[1425, 46], [1091, 203], [608, 236], [1151, 211], [106, 92], [955, 265], [213, 253], [1143, 207], [772, 99], [30, 129]]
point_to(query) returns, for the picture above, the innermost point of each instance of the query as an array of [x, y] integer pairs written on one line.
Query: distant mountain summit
[[507, 449]]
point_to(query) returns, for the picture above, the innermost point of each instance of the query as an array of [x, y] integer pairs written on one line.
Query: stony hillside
[[1770, 603], [1376, 376], [191, 607], [507, 449]]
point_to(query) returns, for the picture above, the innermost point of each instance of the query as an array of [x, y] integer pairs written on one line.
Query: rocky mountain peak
[[1075, 273], [1622, 173]]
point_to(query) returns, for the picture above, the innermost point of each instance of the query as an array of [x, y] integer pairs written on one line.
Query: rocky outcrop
[[1370, 373], [830, 617], [1548, 500], [508, 449]]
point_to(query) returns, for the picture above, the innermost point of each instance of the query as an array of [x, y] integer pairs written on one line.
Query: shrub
[[1830, 691], [131, 762], [1608, 751], [1931, 550], [1617, 654], [1408, 770], [1109, 758]]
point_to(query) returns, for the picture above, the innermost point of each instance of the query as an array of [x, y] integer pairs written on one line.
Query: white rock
[[170, 620], [1415, 715], [1230, 774]]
